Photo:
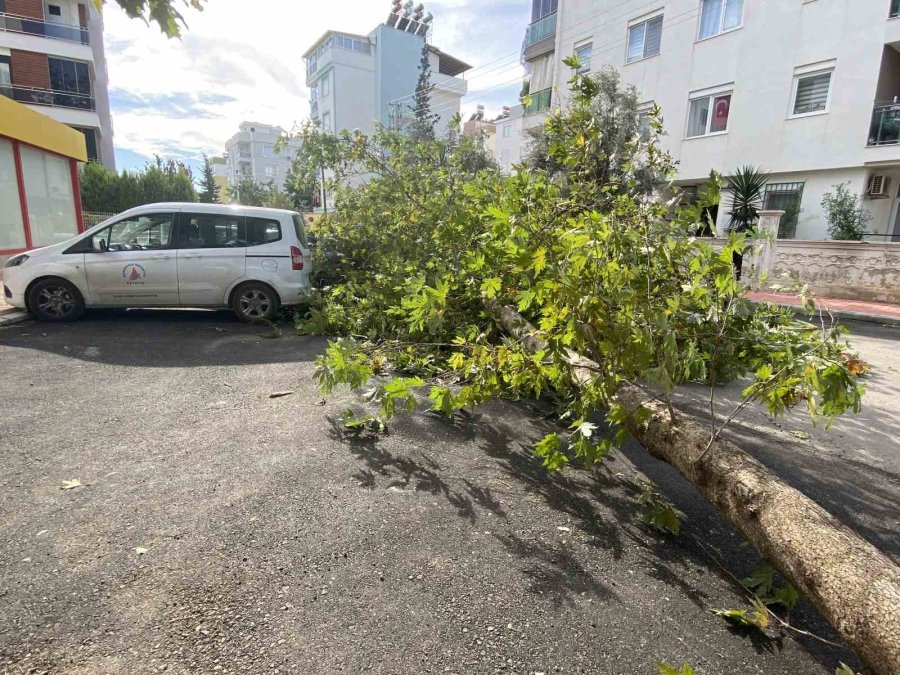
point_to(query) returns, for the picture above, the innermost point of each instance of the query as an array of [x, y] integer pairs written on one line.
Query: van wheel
[[255, 302], [55, 300]]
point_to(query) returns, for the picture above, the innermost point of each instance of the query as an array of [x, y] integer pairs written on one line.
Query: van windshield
[[300, 229]]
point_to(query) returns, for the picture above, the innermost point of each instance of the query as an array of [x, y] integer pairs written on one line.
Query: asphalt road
[[218, 530]]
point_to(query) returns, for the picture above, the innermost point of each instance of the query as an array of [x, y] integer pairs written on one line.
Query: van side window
[[211, 230], [147, 232], [262, 231]]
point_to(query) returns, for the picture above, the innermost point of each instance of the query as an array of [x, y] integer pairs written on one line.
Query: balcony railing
[[56, 99], [58, 31], [541, 29], [539, 102], [885, 125]]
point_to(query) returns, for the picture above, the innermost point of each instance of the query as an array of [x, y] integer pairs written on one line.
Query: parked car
[[254, 260]]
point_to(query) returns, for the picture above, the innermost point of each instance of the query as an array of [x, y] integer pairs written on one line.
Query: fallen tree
[[851, 583], [595, 249]]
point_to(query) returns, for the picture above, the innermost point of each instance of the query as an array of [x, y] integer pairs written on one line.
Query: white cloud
[[243, 61]]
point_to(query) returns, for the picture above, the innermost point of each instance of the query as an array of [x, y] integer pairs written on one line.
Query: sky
[[240, 60]]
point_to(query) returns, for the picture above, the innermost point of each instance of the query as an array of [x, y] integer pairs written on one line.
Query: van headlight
[[17, 260]]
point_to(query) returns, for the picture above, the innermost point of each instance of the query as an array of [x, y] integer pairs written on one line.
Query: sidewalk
[[879, 312]]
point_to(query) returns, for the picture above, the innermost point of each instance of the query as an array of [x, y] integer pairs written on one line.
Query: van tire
[[255, 302], [54, 299]]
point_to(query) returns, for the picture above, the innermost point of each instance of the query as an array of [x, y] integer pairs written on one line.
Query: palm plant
[[747, 186]]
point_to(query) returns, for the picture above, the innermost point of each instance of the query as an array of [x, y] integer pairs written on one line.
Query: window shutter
[[812, 93], [636, 42], [654, 36]]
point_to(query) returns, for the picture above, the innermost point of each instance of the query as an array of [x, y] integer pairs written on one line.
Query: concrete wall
[[397, 69], [837, 269]]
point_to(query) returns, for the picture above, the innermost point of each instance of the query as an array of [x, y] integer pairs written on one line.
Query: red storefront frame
[[23, 200]]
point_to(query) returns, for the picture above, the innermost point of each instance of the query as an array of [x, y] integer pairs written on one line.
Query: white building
[[805, 89], [251, 153], [52, 60], [357, 81], [509, 140]]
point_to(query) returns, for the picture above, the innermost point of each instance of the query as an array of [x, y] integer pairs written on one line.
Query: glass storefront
[[12, 229]]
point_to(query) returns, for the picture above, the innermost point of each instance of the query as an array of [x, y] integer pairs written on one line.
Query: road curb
[[11, 317], [892, 321]]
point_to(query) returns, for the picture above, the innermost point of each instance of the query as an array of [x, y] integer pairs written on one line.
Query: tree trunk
[[854, 586]]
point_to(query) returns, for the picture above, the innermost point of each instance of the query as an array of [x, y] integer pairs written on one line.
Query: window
[[138, 233], [48, 192], [540, 101], [353, 44], [54, 10], [644, 118], [507, 130], [644, 39], [542, 8], [69, 76], [270, 171], [811, 93], [90, 139], [262, 231], [785, 197], [325, 85], [719, 16], [709, 115], [505, 155], [326, 121], [300, 229], [895, 8], [211, 230], [5, 76], [583, 52], [12, 228]]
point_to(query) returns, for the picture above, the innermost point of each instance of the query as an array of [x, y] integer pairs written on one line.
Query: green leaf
[[666, 669], [844, 669], [490, 287], [549, 450]]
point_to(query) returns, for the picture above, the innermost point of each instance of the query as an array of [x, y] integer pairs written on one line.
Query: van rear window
[[300, 229], [262, 231]]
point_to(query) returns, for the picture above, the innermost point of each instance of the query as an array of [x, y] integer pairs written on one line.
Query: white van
[[253, 260]]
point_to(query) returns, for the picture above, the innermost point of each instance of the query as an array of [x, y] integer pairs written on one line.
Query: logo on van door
[[134, 274]]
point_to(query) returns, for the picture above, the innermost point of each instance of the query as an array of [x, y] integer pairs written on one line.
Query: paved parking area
[[218, 530]]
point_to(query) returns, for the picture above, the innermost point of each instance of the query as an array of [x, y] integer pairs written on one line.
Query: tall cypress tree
[[424, 119], [209, 189]]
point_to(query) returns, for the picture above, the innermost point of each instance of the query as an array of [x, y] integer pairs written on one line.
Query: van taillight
[[296, 258]]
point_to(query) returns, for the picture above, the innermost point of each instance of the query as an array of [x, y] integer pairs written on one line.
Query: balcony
[[48, 29], [541, 30], [540, 101], [885, 128], [49, 97]]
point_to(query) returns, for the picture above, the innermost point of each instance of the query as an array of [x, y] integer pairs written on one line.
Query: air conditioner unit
[[879, 187]]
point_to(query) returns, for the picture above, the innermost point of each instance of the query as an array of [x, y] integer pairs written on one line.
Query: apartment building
[[508, 139], [251, 153], [52, 60], [357, 81], [806, 89]]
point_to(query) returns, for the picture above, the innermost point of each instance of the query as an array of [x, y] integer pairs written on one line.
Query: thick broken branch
[[851, 583]]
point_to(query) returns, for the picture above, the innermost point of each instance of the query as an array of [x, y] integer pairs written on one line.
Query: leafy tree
[[105, 191], [847, 217], [209, 188], [161, 12], [598, 163], [250, 193], [414, 257], [302, 194], [747, 186], [424, 119]]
